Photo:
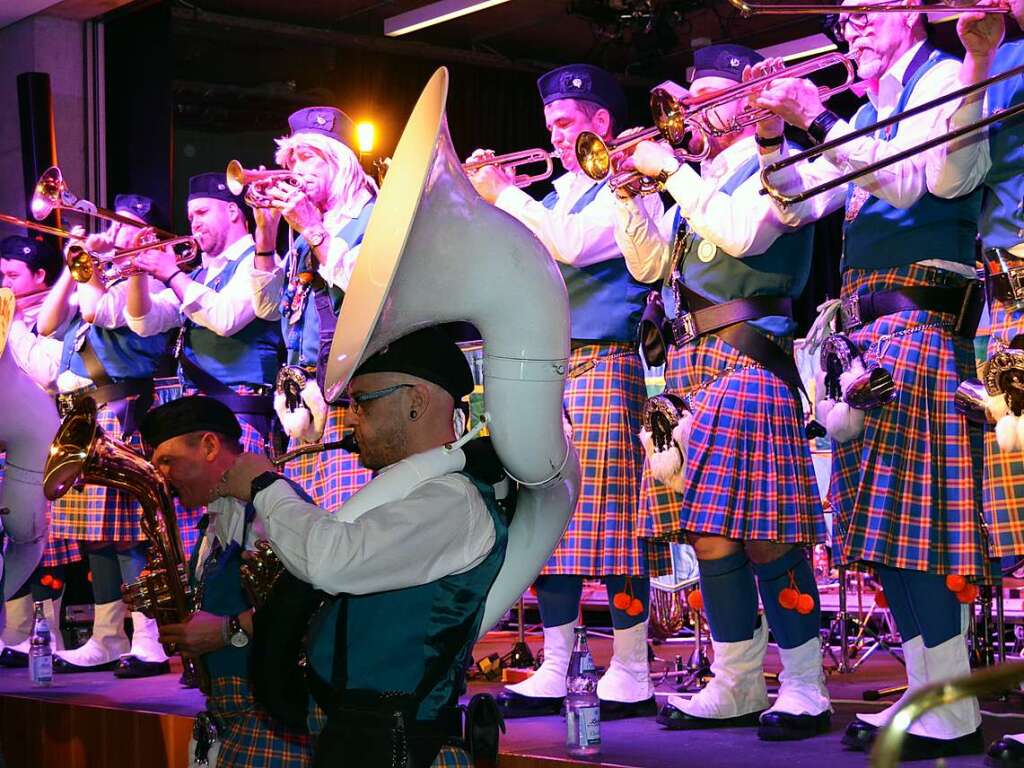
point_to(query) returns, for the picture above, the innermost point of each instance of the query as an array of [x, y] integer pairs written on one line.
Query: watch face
[[239, 639]]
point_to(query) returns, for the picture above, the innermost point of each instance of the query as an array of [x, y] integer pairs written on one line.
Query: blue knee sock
[[937, 609], [790, 627], [106, 575], [641, 590], [730, 597], [898, 598], [132, 562], [559, 599]]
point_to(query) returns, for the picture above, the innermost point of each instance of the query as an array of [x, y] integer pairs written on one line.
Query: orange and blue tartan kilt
[[1004, 471], [748, 473], [907, 493], [604, 397], [168, 389], [249, 737], [329, 477], [95, 512]]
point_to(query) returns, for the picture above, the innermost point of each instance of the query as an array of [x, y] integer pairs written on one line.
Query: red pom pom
[[47, 580], [788, 598], [56, 584], [695, 600], [881, 600], [955, 583], [622, 601], [88, 576], [804, 604], [635, 607], [968, 594]]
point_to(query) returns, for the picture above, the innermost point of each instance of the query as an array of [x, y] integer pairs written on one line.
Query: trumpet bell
[[593, 155], [235, 177]]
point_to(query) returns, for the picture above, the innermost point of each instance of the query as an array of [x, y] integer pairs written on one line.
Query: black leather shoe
[[925, 748], [133, 666], [677, 720], [1005, 753], [859, 735], [66, 667], [13, 659], [187, 682], [620, 710], [782, 726], [513, 705]]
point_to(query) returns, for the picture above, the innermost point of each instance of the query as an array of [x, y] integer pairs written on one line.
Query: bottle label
[[587, 663], [584, 726], [42, 668]]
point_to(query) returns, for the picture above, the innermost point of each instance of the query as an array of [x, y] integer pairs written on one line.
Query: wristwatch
[[236, 635], [316, 237], [262, 481]]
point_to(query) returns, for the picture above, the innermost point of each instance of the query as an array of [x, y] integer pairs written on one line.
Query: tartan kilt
[[249, 737], [748, 473], [95, 512], [168, 389], [603, 402], [1004, 472], [329, 477], [907, 493]]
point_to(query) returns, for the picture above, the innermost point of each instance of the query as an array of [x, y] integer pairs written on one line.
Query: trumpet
[[784, 199], [512, 161], [787, 9], [256, 183]]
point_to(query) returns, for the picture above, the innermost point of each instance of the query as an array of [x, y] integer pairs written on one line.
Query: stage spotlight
[[366, 136]]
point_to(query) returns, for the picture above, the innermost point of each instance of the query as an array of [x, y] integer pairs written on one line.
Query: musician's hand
[[298, 210], [237, 481], [101, 242], [161, 263], [795, 100], [202, 633], [489, 181], [772, 127], [650, 158], [981, 33]]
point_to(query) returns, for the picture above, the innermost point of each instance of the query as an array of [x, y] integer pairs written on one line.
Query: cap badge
[[26, 250], [734, 62]]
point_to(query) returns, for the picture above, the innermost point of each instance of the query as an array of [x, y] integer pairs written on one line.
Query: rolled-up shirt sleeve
[[442, 527], [164, 314], [38, 356]]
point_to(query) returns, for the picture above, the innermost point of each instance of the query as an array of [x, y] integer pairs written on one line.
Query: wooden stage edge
[[37, 733]]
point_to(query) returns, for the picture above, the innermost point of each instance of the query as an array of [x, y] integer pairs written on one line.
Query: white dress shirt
[[227, 521], [957, 167], [225, 312], [38, 356], [900, 184], [580, 239], [441, 527], [743, 223]]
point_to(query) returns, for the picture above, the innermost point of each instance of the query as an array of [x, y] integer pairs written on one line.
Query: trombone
[[513, 160], [674, 117], [784, 199], [786, 9], [82, 263], [256, 183]]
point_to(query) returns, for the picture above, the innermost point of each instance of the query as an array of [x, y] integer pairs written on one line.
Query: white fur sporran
[[846, 386], [300, 405]]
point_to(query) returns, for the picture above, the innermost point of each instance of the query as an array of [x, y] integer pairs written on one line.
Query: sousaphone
[[435, 252]]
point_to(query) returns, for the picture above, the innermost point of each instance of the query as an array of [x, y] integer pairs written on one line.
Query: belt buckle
[[849, 311], [1015, 279], [683, 328]]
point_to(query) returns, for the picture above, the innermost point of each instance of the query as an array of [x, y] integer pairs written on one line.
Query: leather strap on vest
[[963, 302]]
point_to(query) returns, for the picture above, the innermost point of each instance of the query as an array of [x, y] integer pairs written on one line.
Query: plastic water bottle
[[582, 708], [40, 655]]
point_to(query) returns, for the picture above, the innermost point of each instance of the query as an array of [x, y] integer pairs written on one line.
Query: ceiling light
[[434, 13]]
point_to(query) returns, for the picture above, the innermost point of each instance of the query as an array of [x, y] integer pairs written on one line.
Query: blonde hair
[[348, 179]]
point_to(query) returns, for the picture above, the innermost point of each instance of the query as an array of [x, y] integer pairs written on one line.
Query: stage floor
[[96, 721]]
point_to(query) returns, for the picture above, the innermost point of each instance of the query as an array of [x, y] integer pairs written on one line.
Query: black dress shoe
[[1005, 753], [66, 667], [133, 666], [513, 705], [782, 726], [677, 720], [859, 735], [925, 748], [620, 710], [185, 681], [13, 659]]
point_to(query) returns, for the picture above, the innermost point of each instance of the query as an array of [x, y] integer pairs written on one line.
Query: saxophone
[[82, 454]]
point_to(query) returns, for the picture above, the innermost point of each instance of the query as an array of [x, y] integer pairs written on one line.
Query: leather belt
[[1007, 285], [687, 326], [963, 302]]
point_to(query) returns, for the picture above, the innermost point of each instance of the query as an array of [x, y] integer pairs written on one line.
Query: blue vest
[[882, 236], [303, 336], [782, 270], [251, 356], [1002, 215], [605, 301], [123, 353], [394, 636]]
